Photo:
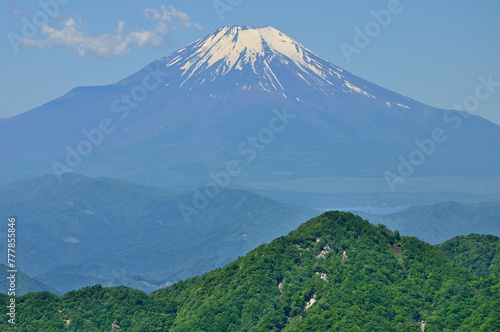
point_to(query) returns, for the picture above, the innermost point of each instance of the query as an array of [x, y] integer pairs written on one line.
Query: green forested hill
[[336, 272], [479, 253]]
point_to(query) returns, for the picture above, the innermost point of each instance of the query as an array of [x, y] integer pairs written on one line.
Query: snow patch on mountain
[[237, 48], [238, 59], [358, 90]]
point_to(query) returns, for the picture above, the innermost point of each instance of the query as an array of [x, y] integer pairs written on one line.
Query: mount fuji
[[252, 98]]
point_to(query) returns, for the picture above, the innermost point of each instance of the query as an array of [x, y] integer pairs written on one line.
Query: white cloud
[[72, 37]]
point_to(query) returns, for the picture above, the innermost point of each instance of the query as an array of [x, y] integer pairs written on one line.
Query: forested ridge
[[336, 272], [479, 253]]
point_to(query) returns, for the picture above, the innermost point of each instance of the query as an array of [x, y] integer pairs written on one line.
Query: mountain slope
[[24, 283], [439, 222], [252, 95], [84, 231], [479, 253], [336, 272]]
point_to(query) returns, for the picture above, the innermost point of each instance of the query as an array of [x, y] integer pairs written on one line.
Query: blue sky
[[433, 51]]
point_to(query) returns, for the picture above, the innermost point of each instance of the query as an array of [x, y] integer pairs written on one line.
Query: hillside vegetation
[[336, 272], [479, 253]]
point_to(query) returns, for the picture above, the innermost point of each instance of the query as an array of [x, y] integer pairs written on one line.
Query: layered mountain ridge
[[85, 231]]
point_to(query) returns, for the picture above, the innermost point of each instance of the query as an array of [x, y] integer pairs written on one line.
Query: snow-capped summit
[[239, 58], [252, 58], [234, 47]]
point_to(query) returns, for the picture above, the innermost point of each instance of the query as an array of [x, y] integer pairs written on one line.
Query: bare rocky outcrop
[[324, 252], [114, 327], [311, 301], [322, 276]]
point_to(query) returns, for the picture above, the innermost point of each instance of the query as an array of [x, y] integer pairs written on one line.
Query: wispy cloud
[[71, 36], [16, 11]]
